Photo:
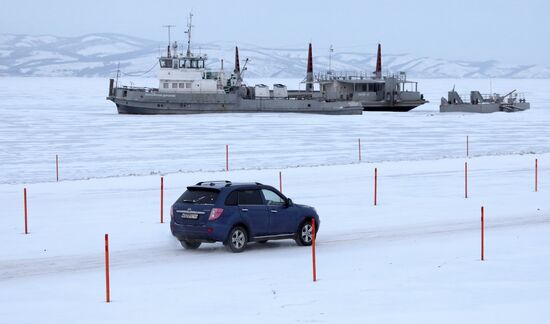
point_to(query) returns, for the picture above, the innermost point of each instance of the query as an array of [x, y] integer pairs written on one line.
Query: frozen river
[[42, 117]]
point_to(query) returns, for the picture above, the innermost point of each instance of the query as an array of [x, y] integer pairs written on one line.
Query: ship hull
[[142, 102], [402, 108], [485, 107]]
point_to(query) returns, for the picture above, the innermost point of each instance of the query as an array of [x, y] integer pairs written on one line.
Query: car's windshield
[[199, 196]]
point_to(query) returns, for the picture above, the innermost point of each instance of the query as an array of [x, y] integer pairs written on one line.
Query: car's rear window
[[199, 196]]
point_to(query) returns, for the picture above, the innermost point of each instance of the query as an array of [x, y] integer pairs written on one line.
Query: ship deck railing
[[132, 88], [492, 98], [358, 76]]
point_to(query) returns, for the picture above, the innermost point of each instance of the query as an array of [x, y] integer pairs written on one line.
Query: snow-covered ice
[[42, 117], [414, 258]]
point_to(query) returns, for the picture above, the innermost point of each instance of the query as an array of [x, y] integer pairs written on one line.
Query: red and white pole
[[375, 185], [226, 157], [280, 181], [536, 175], [465, 179], [313, 250], [161, 200], [25, 207], [482, 234], [107, 283], [56, 168], [359, 145]]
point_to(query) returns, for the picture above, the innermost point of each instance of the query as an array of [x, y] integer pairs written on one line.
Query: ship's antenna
[[169, 27], [188, 32], [330, 51]]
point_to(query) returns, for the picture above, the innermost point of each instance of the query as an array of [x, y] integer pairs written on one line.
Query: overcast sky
[[510, 31]]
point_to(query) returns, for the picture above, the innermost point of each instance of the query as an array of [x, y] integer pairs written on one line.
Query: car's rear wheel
[[304, 234], [237, 239], [190, 245]]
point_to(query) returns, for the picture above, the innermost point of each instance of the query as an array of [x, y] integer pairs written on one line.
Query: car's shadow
[[252, 246]]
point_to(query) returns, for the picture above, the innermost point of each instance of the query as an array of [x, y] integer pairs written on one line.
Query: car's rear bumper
[[210, 232]]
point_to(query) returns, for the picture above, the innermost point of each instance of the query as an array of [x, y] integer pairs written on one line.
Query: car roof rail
[[214, 182], [259, 184]]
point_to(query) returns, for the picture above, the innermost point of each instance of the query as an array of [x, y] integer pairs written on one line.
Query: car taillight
[[215, 213]]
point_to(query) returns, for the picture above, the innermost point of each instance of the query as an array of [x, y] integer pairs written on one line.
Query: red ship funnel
[[237, 64], [309, 60], [379, 62], [309, 74]]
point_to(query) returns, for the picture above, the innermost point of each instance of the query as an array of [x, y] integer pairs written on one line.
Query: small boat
[[483, 103]]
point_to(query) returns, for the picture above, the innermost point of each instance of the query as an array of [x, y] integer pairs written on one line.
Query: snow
[[413, 258], [70, 117], [106, 49], [38, 56]]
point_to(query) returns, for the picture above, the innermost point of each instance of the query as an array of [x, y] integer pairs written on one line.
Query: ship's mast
[[188, 32], [330, 51], [169, 27]]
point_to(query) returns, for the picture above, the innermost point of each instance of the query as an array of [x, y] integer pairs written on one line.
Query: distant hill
[[99, 55]]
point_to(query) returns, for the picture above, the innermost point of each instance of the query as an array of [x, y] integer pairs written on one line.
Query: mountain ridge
[[99, 55]]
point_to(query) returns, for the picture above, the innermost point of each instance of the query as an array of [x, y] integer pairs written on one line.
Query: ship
[[483, 103], [375, 92], [187, 86]]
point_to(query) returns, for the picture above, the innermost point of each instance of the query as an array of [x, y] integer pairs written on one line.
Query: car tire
[[190, 245], [237, 240], [303, 235]]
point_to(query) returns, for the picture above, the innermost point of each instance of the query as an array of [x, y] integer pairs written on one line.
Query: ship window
[[174, 85], [165, 85], [182, 85], [188, 85], [182, 63], [176, 64], [166, 63]]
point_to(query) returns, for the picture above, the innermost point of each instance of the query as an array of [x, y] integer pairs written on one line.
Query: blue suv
[[238, 213]]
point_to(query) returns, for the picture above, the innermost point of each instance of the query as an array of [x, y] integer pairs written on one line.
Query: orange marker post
[[280, 181], [482, 235], [536, 175], [313, 249], [25, 207], [226, 157], [359, 145], [107, 283], [465, 179], [56, 168], [375, 185], [161, 200]]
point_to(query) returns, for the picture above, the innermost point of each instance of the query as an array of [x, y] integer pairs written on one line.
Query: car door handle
[[244, 209], [274, 211]]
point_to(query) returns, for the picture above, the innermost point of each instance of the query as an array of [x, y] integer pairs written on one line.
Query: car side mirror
[[289, 202]]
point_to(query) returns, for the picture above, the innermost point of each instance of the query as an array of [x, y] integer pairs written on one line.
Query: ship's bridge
[[188, 74], [183, 62]]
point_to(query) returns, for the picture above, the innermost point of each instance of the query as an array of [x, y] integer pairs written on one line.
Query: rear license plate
[[190, 216]]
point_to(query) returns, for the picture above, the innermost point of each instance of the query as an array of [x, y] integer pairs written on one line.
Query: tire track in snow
[[14, 269]]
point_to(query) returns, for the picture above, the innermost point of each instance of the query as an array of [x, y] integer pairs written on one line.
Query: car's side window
[[232, 199], [250, 197], [272, 198]]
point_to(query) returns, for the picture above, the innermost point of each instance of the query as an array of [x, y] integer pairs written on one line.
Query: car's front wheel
[[304, 234], [190, 245], [237, 239]]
